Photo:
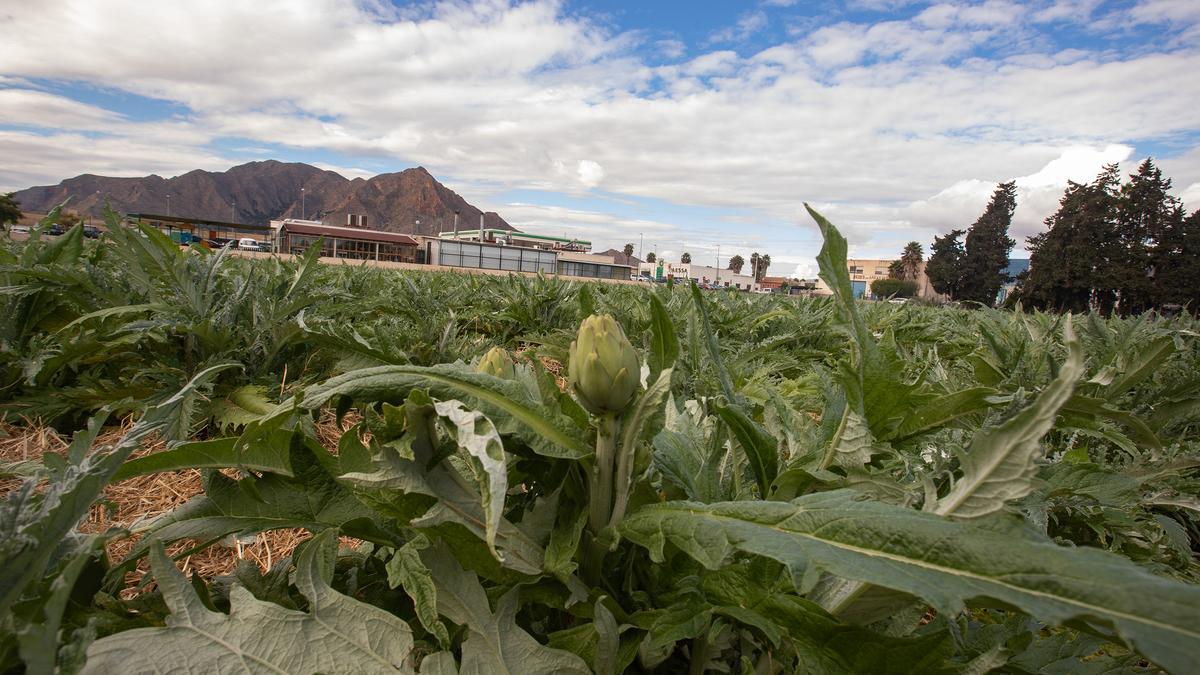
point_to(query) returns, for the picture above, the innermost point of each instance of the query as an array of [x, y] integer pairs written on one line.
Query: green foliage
[[10, 209], [736, 263], [337, 634], [945, 268], [763, 484], [1112, 247], [893, 288], [987, 248]]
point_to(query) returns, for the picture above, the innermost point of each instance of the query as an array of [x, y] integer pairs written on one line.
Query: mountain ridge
[[411, 201]]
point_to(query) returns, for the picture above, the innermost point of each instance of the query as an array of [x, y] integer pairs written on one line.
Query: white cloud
[[590, 173], [899, 128]]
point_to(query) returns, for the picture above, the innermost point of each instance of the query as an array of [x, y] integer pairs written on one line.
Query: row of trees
[[1116, 248], [758, 263], [975, 271], [1112, 247]]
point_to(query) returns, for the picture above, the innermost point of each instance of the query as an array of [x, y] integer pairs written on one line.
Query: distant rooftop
[[512, 233]]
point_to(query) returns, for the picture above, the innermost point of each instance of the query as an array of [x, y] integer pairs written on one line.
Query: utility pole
[[718, 264], [641, 240], [233, 212], [303, 211], [455, 224], [168, 204]]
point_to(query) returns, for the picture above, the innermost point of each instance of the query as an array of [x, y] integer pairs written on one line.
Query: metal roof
[[198, 221], [516, 234], [348, 233]]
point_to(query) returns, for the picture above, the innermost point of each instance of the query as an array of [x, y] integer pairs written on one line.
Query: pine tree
[[1176, 262], [945, 266], [736, 263], [1147, 211], [987, 248], [1069, 265]]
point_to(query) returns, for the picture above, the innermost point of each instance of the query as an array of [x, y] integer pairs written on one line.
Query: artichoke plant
[[497, 362], [604, 368]]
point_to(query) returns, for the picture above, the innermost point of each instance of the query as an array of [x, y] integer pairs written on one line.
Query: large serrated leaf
[[761, 449], [338, 635], [312, 500], [269, 452], [496, 644], [1001, 463], [406, 570], [945, 562], [475, 434], [507, 403]]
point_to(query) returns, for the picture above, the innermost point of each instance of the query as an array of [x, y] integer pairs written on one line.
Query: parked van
[[248, 244]]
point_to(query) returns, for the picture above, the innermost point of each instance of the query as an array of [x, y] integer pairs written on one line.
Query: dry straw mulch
[[135, 501]]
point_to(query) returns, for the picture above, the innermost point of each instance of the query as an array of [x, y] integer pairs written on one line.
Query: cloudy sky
[[683, 125]]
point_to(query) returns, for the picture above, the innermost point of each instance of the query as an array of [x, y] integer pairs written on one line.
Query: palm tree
[[685, 258], [736, 263], [910, 261], [628, 252]]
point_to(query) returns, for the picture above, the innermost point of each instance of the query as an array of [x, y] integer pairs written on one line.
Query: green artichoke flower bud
[[604, 369], [497, 362]]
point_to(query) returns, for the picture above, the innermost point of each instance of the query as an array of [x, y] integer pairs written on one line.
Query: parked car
[[91, 232], [54, 230], [248, 244], [19, 229]]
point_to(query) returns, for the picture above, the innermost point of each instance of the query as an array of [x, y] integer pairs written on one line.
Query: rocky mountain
[[410, 201]]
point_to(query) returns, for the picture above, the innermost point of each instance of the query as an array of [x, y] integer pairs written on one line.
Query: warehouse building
[[703, 274], [499, 255], [294, 236], [211, 233], [518, 238]]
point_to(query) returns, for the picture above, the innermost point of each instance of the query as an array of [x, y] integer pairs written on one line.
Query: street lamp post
[[168, 204], [456, 225], [303, 211], [233, 212], [718, 264]]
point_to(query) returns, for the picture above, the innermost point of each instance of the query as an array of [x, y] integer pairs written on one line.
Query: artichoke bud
[[497, 362], [604, 368]]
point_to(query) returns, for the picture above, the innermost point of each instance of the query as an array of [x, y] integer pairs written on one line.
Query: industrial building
[[703, 274], [294, 236], [211, 233], [518, 238]]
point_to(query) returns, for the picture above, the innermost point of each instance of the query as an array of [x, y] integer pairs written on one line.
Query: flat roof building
[[700, 273], [213, 233], [518, 238], [295, 236]]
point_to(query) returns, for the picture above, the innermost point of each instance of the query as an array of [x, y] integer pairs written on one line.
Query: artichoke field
[[534, 475]]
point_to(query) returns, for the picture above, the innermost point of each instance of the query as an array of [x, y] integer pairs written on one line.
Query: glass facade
[[469, 254], [571, 268], [351, 249]]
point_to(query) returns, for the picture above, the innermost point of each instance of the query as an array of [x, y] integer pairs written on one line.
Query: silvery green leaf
[[943, 561], [1001, 463], [476, 434], [496, 644], [338, 635]]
